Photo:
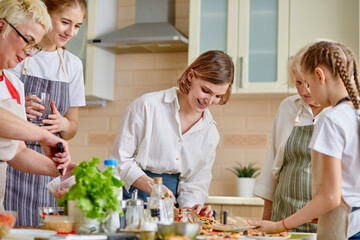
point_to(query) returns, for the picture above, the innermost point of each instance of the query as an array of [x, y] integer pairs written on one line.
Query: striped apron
[[294, 189], [25, 192]]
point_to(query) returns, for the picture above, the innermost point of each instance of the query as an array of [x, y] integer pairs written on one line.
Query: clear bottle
[[155, 201], [113, 222]]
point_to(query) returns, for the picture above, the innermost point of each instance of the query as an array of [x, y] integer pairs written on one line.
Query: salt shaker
[[134, 211]]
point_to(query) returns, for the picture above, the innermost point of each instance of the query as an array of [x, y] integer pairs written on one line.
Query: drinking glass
[[45, 101]]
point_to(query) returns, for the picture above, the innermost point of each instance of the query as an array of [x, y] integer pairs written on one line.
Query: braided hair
[[339, 59]]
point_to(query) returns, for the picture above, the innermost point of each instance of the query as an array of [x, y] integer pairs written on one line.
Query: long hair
[[339, 59]]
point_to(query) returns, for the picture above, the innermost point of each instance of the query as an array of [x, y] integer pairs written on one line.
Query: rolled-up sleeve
[[125, 147]]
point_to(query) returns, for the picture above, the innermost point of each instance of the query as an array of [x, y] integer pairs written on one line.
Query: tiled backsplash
[[244, 122]]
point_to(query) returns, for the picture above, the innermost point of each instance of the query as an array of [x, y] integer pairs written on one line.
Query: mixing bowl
[[183, 229]]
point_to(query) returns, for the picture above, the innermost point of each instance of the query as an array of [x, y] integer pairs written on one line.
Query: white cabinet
[[99, 64], [262, 35], [253, 32]]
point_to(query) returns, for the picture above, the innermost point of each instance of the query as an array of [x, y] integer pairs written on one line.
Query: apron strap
[[63, 64], [25, 70]]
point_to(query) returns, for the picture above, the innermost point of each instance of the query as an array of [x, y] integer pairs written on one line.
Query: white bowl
[[188, 229]]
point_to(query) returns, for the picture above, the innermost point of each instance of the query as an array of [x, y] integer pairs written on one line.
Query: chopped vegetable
[[7, 221], [97, 192]]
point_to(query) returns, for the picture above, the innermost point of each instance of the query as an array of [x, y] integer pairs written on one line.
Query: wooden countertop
[[232, 200]]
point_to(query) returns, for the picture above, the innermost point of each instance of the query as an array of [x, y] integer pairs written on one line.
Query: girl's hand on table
[[203, 210]]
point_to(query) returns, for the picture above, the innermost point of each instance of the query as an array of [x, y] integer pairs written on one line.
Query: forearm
[[143, 183], [70, 131], [30, 161], [71, 117], [267, 209], [13, 127]]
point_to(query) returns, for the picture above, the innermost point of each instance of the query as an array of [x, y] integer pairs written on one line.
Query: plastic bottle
[[113, 222], [155, 201]]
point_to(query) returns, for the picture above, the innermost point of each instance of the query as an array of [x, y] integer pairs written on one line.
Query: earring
[[189, 83]]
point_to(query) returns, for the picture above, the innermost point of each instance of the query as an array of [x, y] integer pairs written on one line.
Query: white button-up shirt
[[150, 138], [292, 111]]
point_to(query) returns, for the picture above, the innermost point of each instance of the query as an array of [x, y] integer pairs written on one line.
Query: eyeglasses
[[29, 44]]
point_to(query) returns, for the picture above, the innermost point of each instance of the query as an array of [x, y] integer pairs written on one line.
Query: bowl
[[44, 211], [58, 188], [183, 229], [7, 221], [60, 224]]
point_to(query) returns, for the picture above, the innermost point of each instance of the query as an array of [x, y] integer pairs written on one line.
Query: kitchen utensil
[[134, 211], [60, 149]]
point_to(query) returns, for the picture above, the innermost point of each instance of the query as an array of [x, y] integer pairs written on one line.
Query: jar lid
[[134, 202], [110, 163]]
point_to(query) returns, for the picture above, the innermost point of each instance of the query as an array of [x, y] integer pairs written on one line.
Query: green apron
[[294, 189]]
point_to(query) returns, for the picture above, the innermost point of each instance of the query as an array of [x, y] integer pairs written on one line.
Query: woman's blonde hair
[[212, 66], [17, 12], [294, 65], [339, 59]]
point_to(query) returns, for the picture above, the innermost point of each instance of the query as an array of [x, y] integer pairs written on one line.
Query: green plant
[[97, 192], [248, 171]]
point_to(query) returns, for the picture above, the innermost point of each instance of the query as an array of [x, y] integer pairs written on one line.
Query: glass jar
[[185, 215]]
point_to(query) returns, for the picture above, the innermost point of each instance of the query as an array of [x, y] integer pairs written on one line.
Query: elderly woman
[[285, 181], [22, 25]]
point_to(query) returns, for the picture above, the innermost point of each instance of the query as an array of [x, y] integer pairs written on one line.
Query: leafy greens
[[97, 192]]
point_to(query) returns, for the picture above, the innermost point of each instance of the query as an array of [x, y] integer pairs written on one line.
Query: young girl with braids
[[327, 68]]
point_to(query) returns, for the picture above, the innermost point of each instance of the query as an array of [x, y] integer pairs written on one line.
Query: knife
[[60, 148]]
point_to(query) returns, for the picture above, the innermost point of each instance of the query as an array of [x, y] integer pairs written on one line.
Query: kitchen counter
[[232, 200]]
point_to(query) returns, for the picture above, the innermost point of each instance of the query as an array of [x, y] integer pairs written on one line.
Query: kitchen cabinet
[[237, 209], [99, 64], [262, 35]]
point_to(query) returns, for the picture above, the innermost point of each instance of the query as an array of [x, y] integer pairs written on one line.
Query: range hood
[[153, 31]]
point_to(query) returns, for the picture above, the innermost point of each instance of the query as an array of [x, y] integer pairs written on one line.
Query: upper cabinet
[[262, 35], [99, 64]]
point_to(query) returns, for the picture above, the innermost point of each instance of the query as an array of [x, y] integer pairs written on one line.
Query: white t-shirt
[[150, 138], [336, 135], [47, 65]]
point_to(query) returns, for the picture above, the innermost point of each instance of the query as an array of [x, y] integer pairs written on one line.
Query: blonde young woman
[[285, 180], [328, 68], [58, 72], [22, 25]]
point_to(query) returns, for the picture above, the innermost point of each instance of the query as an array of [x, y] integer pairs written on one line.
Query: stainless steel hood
[[153, 31]]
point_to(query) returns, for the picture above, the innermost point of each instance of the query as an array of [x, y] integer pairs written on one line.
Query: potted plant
[[94, 196], [246, 178]]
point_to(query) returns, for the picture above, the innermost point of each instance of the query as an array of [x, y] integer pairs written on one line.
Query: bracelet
[[283, 223]]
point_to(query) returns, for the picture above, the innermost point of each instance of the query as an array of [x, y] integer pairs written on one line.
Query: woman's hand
[[267, 226], [55, 122], [203, 210], [32, 108]]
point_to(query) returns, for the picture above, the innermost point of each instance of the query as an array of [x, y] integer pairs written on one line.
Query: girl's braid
[[343, 73]]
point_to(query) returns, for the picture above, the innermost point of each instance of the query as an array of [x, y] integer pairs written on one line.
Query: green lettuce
[[97, 192]]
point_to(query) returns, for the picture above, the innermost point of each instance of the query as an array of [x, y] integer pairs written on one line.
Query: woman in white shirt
[[172, 134], [285, 180]]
